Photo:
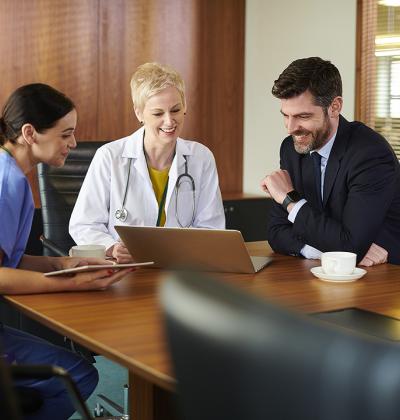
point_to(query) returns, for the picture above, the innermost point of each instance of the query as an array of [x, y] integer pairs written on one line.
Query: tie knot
[[316, 158]]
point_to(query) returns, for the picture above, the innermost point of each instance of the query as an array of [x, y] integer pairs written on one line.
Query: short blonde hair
[[151, 78]]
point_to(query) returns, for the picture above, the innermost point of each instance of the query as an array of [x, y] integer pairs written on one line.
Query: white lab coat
[[102, 192]]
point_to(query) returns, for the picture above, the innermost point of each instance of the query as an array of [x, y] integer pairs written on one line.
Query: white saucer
[[339, 278]]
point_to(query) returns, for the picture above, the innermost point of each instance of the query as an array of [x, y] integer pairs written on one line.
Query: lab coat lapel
[[134, 149]]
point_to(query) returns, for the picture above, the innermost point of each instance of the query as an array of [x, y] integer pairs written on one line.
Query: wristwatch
[[291, 197]]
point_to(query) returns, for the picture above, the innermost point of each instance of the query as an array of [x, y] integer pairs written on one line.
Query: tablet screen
[[84, 268]]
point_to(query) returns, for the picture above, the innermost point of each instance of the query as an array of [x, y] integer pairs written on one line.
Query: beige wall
[[278, 32]]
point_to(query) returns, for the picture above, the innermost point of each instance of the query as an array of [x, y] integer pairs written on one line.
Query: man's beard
[[318, 138]]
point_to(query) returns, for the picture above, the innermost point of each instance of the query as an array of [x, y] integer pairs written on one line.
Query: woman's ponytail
[[3, 129]]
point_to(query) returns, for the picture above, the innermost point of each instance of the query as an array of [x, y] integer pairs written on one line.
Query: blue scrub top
[[16, 210]]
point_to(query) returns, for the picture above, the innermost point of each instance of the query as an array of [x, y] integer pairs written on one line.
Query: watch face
[[294, 195]]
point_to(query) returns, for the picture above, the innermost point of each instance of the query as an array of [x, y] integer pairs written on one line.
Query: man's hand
[[375, 255], [121, 254], [277, 184]]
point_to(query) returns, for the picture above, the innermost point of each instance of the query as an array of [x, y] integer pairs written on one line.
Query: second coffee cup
[[85, 251]]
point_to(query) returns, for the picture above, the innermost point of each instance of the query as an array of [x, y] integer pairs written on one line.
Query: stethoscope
[[122, 214]]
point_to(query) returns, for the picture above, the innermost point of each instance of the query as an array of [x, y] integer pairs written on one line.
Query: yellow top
[[159, 179]]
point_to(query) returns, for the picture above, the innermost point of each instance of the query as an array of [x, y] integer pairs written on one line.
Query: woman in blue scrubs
[[37, 124]]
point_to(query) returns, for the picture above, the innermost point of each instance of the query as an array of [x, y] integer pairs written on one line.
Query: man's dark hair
[[318, 76]]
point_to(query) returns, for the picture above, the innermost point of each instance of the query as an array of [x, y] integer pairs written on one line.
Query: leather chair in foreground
[[238, 357]]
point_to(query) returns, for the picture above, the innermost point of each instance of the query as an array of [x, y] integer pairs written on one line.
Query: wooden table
[[124, 323]]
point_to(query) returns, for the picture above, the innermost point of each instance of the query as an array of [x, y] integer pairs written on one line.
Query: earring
[[141, 122]]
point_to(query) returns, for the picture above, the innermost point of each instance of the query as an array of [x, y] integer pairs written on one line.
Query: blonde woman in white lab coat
[[152, 177]]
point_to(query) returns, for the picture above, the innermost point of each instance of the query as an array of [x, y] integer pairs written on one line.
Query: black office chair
[[249, 216], [237, 357], [59, 189], [16, 401]]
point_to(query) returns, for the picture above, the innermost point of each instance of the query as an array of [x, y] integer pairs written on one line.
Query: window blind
[[378, 68]]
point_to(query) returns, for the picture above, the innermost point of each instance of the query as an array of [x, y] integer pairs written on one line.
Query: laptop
[[190, 248]]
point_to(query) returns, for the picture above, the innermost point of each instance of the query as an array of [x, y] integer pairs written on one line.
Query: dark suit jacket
[[361, 203]]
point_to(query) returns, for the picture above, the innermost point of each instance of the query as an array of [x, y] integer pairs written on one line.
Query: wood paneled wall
[[89, 49]]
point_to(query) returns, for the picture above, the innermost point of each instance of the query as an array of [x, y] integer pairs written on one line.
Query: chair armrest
[[47, 372], [52, 247]]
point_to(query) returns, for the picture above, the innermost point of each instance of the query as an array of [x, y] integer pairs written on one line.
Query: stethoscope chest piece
[[183, 179], [121, 214]]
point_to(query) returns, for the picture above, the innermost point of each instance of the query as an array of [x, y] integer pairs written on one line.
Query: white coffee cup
[[84, 251], [342, 263]]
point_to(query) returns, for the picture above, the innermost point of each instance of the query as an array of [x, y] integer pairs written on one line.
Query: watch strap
[[286, 202], [291, 197]]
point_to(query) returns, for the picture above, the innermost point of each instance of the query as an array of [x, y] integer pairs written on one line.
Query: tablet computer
[[378, 325], [84, 268]]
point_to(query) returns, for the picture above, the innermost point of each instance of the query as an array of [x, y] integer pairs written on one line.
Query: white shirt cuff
[[310, 252], [293, 213], [307, 251]]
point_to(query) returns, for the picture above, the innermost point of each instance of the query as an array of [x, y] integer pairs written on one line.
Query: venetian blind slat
[[379, 91]]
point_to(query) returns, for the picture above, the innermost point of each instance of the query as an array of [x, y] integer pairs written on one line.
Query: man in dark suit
[[338, 188]]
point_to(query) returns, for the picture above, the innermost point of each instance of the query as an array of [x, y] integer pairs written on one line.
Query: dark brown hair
[[318, 76], [37, 104]]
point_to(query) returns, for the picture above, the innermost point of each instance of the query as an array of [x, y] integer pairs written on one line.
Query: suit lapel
[[335, 157], [330, 177]]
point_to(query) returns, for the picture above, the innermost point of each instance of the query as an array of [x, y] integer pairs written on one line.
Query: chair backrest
[[59, 188], [237, 357]]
